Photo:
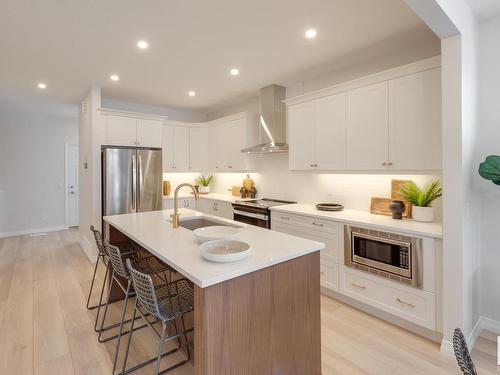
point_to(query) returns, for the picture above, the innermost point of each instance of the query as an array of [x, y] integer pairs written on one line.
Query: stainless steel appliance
[[389, 255], [256, 211], [131, 180]]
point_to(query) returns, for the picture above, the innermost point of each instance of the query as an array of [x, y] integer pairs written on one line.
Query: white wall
[[32, 165], [454, 22], [273, 180], [489, 144]]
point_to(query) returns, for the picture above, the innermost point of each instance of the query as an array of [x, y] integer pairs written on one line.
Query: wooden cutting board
[[380, 206], [395, 186]]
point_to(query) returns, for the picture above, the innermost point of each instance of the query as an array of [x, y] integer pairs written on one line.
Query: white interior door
[[72, 187]]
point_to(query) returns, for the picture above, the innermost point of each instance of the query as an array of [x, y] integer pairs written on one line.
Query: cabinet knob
[[384, 163], [229, 166], [311, 165], [389, 164]]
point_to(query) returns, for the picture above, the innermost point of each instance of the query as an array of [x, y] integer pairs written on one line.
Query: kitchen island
[[260, 315]]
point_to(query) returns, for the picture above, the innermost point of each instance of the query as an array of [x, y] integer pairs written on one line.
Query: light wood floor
[[45, 328]]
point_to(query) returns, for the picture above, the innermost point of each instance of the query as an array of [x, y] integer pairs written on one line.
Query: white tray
[[224, 251]]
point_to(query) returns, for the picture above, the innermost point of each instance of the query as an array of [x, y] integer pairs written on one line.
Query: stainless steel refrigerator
[[131, 180]]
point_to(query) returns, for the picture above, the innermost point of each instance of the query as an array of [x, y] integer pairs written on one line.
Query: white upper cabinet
[[415, 121], [226, 140], [367, 132], [301, 136], [175, 149], [317, 134], [130, 131], [390, 121], [198, 149], [181, 148], [149, 133], [122, 131], [330, 133]]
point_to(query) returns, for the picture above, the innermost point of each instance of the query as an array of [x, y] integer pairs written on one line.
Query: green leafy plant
[[204, 181], [490, 169], [421, 198]]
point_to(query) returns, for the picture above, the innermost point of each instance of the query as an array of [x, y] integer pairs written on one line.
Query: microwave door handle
[[252, 215]]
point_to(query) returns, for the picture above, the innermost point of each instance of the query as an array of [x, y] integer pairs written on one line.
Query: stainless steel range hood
[[272, 122]]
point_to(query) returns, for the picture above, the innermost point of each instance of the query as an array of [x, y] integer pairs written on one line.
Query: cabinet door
[[181, 149], [225, 210], [204, 205], [330, 132], [217, 144], [234, 142], [301, 136], [415, 121], [367, 128], [168, 148], [149, 133], [198, 149], [122, 131]]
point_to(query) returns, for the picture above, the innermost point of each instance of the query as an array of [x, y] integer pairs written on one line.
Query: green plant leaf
[[421, 198], [490, 169]]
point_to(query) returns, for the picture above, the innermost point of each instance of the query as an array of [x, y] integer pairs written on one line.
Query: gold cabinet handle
[[317, 224], [405, 303], [358, 286], [284, 218], [384, 163]]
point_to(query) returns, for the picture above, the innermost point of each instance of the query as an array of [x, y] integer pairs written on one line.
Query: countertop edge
[[325, 216]]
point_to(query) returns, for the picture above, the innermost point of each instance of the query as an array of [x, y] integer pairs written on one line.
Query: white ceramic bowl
[[217, 232], [224, 251]]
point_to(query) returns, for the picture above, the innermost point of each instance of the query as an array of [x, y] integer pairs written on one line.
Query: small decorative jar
[[397, 208]]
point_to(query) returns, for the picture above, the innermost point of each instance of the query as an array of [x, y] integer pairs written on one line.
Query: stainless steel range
[[256, 211]]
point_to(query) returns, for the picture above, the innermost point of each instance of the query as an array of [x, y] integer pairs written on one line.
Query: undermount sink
[[202, 222]]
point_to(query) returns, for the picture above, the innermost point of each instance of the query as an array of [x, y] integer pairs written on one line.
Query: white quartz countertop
[[354, 217], [212, 196], [179, 247]]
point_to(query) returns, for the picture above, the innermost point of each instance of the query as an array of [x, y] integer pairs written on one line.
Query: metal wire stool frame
[[462, 354], [101, 257], [117, 268], [173, 305]]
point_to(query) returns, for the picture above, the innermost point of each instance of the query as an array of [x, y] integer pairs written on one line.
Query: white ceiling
[[485, 9], [72, 44]]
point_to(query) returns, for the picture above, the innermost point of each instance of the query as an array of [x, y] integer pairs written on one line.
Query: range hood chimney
[[272, 122]]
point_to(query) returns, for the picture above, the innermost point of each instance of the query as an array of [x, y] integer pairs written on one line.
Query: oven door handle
[[251, 214]]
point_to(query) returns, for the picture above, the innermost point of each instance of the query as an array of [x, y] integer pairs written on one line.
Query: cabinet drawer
[[329, 275], [331, 251], [415, 306], [306, 222]]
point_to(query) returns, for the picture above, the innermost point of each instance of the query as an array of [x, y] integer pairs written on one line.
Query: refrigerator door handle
[[134, 182], [140, 181]]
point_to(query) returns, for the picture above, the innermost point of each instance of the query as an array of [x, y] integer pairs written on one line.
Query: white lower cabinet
[[329, 274], [216, 208], [190, 203], [412, 304]]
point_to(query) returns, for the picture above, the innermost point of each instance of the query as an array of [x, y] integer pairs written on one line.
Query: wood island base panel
[[265, 322]]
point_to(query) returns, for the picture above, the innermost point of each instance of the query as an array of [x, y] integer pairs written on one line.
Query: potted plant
[[421, 199], [204, 182]]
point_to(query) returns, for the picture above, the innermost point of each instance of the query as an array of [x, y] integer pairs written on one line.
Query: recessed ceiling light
[[114, 77], [42, 86], [311, 34], [234, 72], [191, 93], [142, 44]]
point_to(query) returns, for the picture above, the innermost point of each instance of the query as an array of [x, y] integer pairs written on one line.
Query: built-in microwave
[[389, 255]]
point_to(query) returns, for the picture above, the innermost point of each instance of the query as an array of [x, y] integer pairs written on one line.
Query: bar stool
[[102, 258], [165, 302], [119, 275]]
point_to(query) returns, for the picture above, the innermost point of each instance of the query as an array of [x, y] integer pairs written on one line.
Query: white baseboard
[[25, 232], [447, 348], [483, 323]]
